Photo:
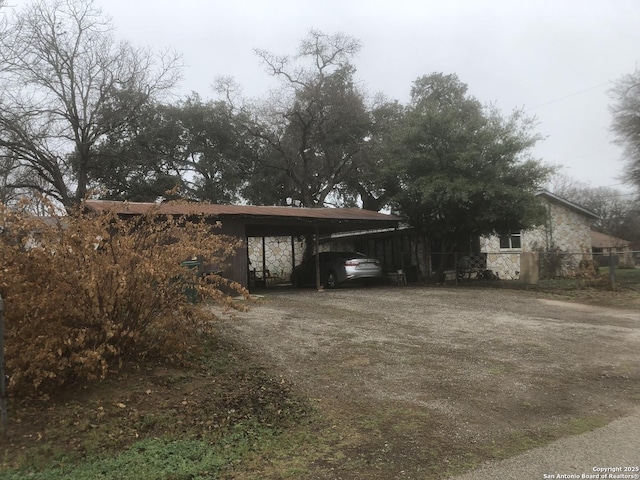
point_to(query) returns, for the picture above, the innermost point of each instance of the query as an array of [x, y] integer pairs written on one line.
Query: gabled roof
[[260, 220], [570, 205], [602, 240]]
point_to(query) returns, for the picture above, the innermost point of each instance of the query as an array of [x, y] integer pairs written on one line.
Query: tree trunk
[[448, 252]]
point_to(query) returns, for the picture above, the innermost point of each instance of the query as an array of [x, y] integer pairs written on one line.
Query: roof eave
[[568, 204]]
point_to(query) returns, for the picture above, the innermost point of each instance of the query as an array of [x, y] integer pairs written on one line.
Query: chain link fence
[[604, 269]]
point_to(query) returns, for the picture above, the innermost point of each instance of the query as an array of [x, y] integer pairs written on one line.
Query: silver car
[[337, 268]]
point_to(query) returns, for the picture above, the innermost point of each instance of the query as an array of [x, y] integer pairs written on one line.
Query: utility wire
[[569, 96]]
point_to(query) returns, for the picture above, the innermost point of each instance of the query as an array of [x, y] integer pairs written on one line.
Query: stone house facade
[[566, 232]]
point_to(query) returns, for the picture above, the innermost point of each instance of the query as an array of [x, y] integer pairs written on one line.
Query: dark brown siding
[[238, 268]]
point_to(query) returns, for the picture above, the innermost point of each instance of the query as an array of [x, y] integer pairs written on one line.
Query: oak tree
[[194, 145], [311, 130], [464, 170]]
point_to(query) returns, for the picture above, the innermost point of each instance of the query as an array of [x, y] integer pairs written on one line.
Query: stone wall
[[505, 265], [279, 256], [565, 230]]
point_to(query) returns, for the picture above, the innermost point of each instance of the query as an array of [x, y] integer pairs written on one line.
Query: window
[[511, 240]]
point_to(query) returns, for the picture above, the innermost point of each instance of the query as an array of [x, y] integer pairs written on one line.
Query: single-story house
[[561, 242], [247, 221], [607, 248], [274, 239], [566, 231]]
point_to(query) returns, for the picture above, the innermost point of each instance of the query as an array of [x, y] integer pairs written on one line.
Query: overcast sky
[[554, 58]]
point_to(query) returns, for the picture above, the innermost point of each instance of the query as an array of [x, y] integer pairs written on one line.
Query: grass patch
[[157, 421], [146, 460], [593, 291], [173, 458], [520, 441], [577, 426], [500, 369], [627, 278]]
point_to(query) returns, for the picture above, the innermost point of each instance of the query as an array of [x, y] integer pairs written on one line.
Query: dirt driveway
[[429, 382]]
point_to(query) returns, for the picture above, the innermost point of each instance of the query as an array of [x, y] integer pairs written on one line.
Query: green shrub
[[85, 291]]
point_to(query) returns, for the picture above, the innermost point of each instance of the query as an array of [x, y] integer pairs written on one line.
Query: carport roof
[[261, 220]]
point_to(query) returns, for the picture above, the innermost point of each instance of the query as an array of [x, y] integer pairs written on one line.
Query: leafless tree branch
[[65, 83]]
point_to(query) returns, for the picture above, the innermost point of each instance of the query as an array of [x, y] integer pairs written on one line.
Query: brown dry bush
[[83, 292]]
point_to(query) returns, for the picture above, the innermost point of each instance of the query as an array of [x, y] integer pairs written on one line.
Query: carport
[[243, 221]]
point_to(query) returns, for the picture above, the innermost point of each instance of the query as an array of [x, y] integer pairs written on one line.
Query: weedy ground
[[377, 383]]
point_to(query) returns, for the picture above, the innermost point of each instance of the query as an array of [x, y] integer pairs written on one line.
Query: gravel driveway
[[429, 382]]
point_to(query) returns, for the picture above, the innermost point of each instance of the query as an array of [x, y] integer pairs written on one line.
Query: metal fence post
[[612, 270], [3, 390]]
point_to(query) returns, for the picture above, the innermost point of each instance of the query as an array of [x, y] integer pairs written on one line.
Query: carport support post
[[317, 249], [264, 262], [293, 253]]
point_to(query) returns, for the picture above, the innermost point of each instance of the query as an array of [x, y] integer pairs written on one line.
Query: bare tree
[[312, 128], [626, 122], [65, 83]]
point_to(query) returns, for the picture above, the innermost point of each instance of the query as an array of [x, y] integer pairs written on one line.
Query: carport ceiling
[[263, 221]]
